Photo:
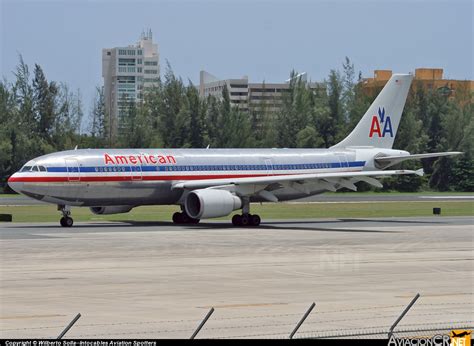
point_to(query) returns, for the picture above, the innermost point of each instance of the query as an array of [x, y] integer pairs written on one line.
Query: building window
[[140, 52], [126, 62], [122, 52], [109, 53], [131, 52], [139, 69], [151, 63], [139, 61], [151, 71]]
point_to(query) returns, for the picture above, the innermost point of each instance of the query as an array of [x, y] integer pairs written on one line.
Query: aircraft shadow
[[299, 225]]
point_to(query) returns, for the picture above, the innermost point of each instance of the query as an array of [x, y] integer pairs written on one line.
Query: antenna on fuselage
[[75, 148], [208, 146]]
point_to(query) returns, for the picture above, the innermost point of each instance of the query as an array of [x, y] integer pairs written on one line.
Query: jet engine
[[116, 209], [208, 203]]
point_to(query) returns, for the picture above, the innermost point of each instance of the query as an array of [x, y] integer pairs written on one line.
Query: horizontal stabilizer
[[388, 161]]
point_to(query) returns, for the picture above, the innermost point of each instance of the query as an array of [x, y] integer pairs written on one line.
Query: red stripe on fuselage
[[131, 178], [75, 179]]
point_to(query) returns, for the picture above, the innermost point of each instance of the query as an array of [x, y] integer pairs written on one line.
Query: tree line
[[38, 116]]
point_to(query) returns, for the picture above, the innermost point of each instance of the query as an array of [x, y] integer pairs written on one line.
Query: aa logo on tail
[[381, 125]]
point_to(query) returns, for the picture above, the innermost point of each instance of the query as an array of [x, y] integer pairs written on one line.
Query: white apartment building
[[245, 95], [126, 72]]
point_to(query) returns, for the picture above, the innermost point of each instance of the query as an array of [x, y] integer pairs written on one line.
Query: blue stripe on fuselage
[[206, 168]]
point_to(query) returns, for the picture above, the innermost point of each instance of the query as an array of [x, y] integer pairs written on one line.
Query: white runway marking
[[448, 197]]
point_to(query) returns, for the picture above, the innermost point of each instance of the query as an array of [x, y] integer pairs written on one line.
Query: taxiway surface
[[154, 279]]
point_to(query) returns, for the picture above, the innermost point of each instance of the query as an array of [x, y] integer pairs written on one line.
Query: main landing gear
[[246, 219], [183, 218], [66, 220]]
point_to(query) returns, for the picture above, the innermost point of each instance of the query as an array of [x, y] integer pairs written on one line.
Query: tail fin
[[379, 125]]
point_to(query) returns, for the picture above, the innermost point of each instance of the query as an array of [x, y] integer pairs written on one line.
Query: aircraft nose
[[14, 184]]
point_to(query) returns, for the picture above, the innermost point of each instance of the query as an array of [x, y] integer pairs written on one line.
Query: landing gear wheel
[[255, 220], [245, 220], [177, 217], [66, 221], [237, 220], [183, 218]]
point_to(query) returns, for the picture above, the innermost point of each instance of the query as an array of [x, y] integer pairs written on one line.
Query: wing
[[305, 183]]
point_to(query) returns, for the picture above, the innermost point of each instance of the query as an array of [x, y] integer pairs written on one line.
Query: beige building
[[428, 78], [127, 71]]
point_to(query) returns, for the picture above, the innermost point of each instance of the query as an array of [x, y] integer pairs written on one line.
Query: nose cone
[[14, 183]]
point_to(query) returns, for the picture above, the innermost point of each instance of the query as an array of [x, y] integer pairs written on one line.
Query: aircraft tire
[[236, 220], [245, 220], [183, 218], [255, 220], [177, 218], [66, 221]]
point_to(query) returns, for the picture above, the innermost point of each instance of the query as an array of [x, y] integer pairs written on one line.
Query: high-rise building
[[127, 71]]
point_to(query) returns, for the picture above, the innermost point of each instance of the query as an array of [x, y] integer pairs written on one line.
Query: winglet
[[420, 172]]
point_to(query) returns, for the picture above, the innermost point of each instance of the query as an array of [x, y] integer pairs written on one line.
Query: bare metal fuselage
[[101, 177]]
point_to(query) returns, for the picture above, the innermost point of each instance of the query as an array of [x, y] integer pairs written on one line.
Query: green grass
[[43, 213]]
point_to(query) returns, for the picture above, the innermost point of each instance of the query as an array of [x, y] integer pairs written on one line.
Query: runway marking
[[378, 201], [29, 317], [437, 295], [240, 305], [447, 197]]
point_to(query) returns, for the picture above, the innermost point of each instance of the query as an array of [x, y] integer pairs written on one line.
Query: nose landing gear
[[66, 220]]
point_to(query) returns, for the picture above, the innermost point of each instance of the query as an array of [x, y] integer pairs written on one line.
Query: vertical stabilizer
[[379, 125]]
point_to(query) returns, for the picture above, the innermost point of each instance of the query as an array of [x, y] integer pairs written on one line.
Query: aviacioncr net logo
[[455, 338], [381, 125]]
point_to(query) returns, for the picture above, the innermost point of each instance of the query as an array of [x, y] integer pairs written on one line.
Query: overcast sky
[[261, 39]]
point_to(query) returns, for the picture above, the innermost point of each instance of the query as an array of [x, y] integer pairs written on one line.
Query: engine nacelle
[[114, 209], [208, 203]]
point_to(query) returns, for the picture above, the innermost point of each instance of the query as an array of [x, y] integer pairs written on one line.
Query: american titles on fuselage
[[139, 159]]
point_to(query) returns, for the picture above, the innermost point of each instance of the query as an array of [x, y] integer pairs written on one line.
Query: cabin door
[[136, 172], [343, 160], [269, 166], [73, 173]]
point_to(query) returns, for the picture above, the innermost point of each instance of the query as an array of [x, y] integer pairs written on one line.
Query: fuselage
[[105, 177]]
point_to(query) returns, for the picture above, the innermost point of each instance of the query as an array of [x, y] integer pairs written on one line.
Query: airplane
[[210, 183], [460, 335]]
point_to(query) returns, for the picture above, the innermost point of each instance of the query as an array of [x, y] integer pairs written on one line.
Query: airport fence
[[309, 324]]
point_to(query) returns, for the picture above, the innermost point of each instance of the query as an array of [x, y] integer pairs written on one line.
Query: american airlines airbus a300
[[210, 183]]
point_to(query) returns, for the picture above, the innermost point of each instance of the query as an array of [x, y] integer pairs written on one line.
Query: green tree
[[196, 117]]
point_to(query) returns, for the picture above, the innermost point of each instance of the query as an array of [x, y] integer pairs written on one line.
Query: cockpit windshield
[[26, 169], [34, 168]]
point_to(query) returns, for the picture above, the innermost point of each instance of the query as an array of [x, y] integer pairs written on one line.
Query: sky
[[263, 39]]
